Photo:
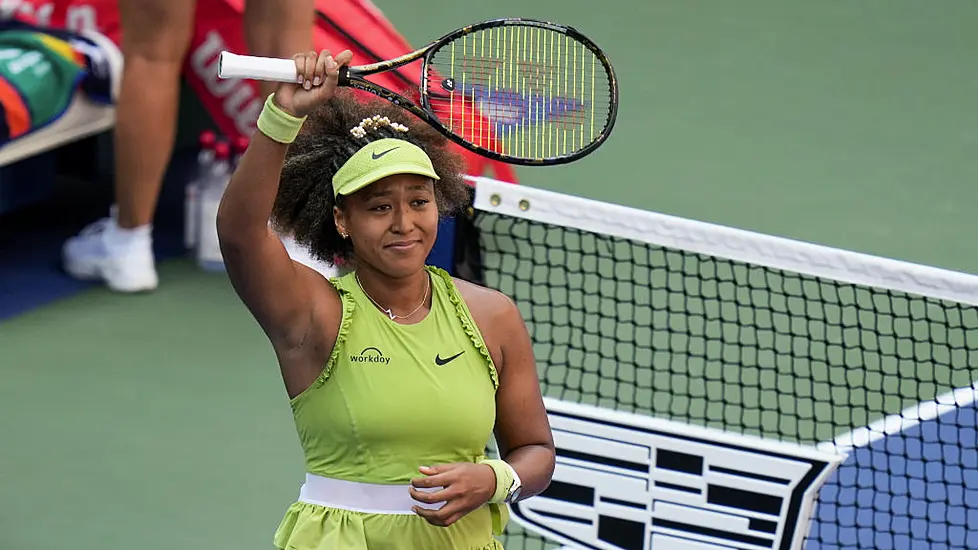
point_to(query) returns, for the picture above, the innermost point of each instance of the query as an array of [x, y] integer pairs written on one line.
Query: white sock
[[117, 237]]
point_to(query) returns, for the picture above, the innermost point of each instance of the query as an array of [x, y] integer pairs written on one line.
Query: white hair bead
[[374, 123]]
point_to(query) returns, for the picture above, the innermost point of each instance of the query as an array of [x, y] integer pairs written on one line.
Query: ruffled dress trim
[[454, 296], [313, 527], [349, 305], [468, 323]]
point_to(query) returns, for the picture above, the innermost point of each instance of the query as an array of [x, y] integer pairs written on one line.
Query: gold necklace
[[387, 310]]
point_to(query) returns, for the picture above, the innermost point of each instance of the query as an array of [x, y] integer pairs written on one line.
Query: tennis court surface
[[160, 421]]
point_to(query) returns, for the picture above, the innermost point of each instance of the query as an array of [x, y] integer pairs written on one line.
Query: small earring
[[343, 234]]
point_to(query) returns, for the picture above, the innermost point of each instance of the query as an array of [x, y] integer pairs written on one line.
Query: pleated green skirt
[[314, 527]]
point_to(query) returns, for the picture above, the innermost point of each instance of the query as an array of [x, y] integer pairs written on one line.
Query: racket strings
[[520, 91]]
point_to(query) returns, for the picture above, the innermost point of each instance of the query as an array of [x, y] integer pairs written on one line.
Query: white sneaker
[[122, 258]]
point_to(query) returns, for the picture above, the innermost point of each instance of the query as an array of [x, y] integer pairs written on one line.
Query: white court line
[[908, 418]]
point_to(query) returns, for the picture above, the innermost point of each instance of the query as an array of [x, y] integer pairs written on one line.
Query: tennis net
[[757, 335]]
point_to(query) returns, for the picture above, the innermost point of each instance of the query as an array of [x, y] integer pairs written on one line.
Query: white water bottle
[[212, 188], [191, 200]]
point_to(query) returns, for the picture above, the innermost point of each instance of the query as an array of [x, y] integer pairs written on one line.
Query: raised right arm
[[273, 288], [276, 290]]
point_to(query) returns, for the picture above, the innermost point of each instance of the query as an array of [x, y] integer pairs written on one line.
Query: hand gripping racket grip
[[231, 65], [273, 69]]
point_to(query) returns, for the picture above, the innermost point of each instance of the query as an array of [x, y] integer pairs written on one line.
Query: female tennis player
[[397, 373]]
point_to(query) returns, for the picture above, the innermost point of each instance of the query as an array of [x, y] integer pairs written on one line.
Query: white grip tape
[[232, 65]]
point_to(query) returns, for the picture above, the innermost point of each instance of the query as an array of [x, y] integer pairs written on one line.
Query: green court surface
[[125, 425], [160, 421]]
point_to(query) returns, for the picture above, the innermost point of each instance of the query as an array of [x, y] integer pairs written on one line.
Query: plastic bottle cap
[[222, 150], [207, 138], [240, 144]]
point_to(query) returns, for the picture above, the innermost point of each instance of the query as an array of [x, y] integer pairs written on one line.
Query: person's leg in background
[[278, 28], [119, 250]]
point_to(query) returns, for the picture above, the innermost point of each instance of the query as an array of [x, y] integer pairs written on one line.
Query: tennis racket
[[519, 91]]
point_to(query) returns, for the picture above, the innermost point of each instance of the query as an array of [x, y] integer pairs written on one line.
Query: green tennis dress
[[393, 398]]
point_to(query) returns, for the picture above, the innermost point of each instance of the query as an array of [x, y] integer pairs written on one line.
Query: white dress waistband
[[369, 498]]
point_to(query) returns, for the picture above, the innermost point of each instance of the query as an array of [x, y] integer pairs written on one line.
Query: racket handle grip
[[232, 65]]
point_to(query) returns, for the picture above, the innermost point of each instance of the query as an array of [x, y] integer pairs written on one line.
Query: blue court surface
[[918, 484]]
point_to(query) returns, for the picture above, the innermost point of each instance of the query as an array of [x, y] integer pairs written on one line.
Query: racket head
[[520, 91]]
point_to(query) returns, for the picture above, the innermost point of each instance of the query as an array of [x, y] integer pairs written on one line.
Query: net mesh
[[749, 349]]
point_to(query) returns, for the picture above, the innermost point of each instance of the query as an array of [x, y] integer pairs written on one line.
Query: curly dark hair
[[304, 204]]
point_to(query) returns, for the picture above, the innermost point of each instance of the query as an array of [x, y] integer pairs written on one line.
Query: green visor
[[379, 159]]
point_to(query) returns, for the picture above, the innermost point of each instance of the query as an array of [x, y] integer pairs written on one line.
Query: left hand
[[465, 487]]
